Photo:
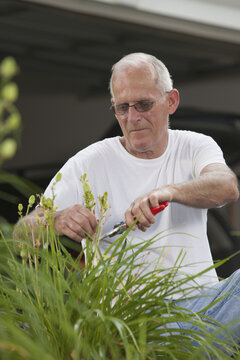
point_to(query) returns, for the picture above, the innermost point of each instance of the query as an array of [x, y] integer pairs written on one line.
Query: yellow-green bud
[[31, 200], [13, 121], [8, 67], [10, 92], [49, 203], [103, 201], [58, 177], [20, 207], [8, 148], [23, 253], [86, 187]]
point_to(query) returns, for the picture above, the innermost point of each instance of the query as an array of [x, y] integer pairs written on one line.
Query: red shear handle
[[159, 208]]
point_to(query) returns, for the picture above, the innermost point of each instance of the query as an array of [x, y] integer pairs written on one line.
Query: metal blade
[[118, 229]]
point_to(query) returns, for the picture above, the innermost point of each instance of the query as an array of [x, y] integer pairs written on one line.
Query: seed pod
[[31, 200], [13, 121], [20, 207], [58, 177], [8, 148], [10, 92], [8, 67]]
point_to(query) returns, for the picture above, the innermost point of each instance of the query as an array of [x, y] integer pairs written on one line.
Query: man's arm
[[75, 222], [217, 185]]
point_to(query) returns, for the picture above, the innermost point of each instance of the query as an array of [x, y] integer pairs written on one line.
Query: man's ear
[[113, 102], [173, 101]]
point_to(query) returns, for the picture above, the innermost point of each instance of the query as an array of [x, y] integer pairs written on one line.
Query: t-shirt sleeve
[[206, 152]]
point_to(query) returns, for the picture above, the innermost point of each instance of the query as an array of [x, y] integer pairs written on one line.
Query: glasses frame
[[151, 102]]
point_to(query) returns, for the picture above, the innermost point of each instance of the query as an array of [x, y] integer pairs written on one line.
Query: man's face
[[145, 133]]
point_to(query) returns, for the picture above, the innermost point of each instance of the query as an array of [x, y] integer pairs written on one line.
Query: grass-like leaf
[[53, 309]]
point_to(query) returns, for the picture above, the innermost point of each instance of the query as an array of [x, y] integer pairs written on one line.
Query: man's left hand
[[140, 208]]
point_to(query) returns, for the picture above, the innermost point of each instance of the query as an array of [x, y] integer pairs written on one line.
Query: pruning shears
[[122, 226], [118, 229]]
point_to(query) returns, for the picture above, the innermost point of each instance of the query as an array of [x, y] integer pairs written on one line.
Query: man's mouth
[[137, 130]]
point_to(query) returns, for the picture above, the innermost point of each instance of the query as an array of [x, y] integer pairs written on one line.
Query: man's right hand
[[76, 222]]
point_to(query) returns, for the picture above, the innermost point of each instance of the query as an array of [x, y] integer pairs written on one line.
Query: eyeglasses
[[140, 106]]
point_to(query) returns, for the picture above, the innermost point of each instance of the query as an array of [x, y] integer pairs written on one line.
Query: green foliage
[[23, 186], [89, 201], [10, 127], [51, 308], [10, 119], [103, 201]]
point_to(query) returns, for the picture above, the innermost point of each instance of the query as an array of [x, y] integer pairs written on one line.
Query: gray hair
[[158, 69]]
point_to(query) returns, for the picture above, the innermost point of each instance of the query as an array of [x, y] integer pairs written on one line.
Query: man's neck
[[148, 153]]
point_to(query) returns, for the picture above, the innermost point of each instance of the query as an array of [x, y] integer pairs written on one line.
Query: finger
[[141, 227], [77, 227], [153, 199], [77, 231], [82, 226], [78, 211], [65, 226], [147, 218], [73, 235], [129, 218], [73, 223], [84, 220], [91, 219], [141, 211], [143, 221]]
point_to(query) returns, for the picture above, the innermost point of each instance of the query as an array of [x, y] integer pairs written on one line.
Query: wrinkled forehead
[[134, 77], [143, 69]]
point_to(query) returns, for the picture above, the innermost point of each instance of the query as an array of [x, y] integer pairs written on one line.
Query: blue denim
[[226, 311]]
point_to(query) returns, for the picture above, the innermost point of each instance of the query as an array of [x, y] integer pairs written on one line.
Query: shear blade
[[118, 229]]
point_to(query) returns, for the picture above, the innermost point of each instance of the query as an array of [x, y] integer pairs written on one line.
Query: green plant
[[10, 119], [52, 309], [10, 129]]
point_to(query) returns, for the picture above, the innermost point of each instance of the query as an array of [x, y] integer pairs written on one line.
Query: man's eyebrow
[[124, 103]]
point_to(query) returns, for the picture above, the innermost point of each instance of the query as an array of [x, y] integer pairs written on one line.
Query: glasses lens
[[140, 106], [143, 105], [121, 109]]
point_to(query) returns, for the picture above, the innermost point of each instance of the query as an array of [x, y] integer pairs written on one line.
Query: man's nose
[[133, 114]]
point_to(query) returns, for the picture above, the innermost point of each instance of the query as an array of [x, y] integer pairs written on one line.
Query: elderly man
[[148, 165]]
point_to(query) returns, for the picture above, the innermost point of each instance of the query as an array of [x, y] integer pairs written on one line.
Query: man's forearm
[[215, 186]]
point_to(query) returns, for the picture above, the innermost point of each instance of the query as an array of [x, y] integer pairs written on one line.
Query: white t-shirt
[[109, 167]]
